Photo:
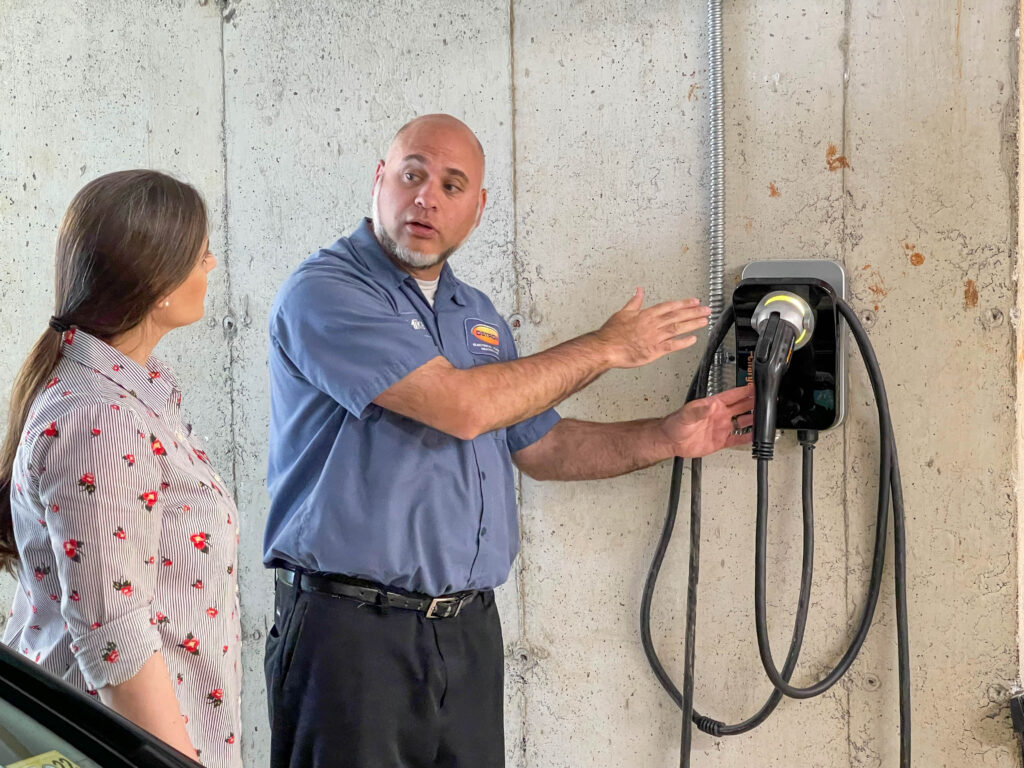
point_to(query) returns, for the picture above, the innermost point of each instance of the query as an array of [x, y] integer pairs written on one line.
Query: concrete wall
[[593, 117]]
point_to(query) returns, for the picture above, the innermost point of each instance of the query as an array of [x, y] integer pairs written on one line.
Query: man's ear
[[377, 175], [480, 207]]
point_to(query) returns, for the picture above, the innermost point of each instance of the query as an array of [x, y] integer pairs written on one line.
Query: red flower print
[[75, 596], [115, 368], [231, 569], [110, 655], [51, 431], [130, 458], [216, 696], [186, 508], [201, 455], [115, 406], [95, 625], [154, 375], [41, 522], [65, 393], [150, 560], [164, 485], [157, 446], [179, 678], [230, 739], [55, 508], [142, 435], [36, 627], [52, 383], [148, 500], [124, 587], [211, 612], [96, 432], [120, 534], [88, 482], [201, 541], [224, 649], [54, 597], [161, 618], [191, 644], [69, 336], [198, 583], [167, 562], [41, 572], [71, 547]]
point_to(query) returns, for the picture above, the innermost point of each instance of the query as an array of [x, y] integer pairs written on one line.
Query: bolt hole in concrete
[[867, 318]]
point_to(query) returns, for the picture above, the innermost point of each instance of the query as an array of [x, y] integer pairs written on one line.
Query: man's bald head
[[439, 121]]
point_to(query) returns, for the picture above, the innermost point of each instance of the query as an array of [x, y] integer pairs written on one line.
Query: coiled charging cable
[[890, 489]]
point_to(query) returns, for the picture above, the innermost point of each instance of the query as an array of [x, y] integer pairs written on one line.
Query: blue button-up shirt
[[362, 491]]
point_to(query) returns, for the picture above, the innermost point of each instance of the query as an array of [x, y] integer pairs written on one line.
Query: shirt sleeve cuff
[[392, 374], [528, 432], [115, 652]]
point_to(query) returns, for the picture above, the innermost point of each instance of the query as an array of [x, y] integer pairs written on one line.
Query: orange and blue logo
[[485, 333], [482, 338]]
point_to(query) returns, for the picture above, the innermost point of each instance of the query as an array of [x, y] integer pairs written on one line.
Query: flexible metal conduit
[[716, 260]]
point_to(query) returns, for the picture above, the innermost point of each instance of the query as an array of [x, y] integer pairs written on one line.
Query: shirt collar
[[370, 253], [154, 385]]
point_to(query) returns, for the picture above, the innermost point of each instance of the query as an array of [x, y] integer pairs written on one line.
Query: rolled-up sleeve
[[346, 338], [100, 488], [530, 430]]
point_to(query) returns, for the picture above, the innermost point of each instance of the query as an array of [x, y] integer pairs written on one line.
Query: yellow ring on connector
[[796, 303], [791, 299]]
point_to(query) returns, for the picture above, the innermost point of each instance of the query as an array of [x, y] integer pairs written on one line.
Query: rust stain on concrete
[[834, 160], [773, 191], [878, 287], [692, 95], [916, 257], [970, 294]]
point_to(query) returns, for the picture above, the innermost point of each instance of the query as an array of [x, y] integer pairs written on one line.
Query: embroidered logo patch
[[417, 324], [482, 338]]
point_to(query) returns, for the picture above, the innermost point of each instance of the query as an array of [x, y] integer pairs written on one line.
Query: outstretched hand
[[635, 336], [707, 425]]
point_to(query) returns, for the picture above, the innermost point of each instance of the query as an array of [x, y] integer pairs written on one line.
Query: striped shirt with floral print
[[128, 541]]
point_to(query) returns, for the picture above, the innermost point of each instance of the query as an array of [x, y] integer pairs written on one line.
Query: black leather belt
[[444, 607]]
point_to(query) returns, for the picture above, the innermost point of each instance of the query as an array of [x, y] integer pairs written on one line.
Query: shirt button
[[483, 531], [483, 475]]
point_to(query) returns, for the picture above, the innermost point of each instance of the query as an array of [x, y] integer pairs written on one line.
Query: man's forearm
[[507, 393], [586, 450], [467, 403]]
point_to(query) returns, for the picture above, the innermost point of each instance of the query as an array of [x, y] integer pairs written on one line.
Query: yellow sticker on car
[[51, 759]]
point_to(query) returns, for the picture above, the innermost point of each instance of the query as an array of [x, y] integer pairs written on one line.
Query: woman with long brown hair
[[121, 535]]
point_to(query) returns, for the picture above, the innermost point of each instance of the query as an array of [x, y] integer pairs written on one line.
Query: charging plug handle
[[771, 360]]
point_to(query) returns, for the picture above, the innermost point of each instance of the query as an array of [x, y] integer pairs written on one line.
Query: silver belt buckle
[[444, 603]]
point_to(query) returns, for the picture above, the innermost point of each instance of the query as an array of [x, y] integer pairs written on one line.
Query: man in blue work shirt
[[398, 409]]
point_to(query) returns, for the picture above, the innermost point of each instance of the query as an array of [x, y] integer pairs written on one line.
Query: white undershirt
[[429, 288]]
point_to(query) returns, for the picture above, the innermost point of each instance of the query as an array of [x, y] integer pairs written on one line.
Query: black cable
[[889, 482], [707, 724]]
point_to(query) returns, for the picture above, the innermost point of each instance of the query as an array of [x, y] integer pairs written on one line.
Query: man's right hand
[[634, 336]]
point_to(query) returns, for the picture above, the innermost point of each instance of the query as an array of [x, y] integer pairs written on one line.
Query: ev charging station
[[791, 324]]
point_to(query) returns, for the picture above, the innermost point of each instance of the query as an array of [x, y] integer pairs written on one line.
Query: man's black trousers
[[353, 685]]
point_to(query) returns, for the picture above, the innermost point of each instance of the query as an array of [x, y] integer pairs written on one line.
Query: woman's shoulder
[[82, 412]]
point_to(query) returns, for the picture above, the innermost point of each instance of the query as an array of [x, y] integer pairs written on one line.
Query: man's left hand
[[707, 425]]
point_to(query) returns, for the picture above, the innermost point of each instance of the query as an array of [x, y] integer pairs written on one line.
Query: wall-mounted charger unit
[[812, 392]]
